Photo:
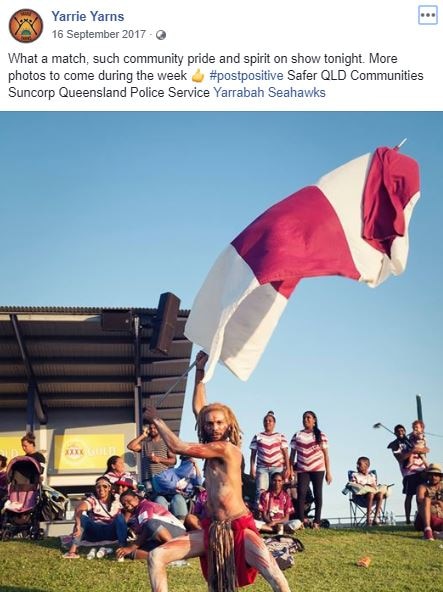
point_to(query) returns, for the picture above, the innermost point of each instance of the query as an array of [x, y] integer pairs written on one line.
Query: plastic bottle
[[101, 553], [92, 553], [392, 519], [179, 563]]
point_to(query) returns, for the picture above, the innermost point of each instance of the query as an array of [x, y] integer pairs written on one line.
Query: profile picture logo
[[25, 25]]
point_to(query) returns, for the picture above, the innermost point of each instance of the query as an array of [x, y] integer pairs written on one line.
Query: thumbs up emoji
[[198, 76]]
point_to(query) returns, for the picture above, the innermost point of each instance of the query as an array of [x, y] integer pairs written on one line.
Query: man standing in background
[[156, 457], [412, 465]]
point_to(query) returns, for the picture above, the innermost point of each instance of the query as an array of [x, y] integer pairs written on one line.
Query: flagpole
[[401, 144], [185, 373]]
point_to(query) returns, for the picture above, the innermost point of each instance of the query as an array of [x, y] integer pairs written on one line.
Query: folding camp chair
[[358, 503]]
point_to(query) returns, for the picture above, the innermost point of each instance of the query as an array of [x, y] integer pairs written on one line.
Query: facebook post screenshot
[[193, 394]]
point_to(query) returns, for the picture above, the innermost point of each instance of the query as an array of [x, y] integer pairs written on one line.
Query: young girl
[[418, 441]]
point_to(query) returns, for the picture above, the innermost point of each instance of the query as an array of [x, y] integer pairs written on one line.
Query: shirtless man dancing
[[229, 546]]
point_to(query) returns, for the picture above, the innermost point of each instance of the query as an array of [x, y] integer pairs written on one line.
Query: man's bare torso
[[224, 487]]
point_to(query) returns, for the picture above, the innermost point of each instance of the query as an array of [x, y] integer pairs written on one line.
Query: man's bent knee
[[155, 556]]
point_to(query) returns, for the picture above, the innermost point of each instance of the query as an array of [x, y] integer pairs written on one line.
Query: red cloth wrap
[[245, 574]]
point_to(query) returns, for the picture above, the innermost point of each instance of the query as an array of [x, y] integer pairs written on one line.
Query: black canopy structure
[[83, 357]]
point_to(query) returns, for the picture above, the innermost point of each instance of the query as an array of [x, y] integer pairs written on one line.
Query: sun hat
[[435, 469], [127, 482]]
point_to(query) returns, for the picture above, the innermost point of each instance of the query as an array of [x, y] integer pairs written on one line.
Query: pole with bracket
[[138, 403], [419, 409], [33, 398], [169, 391]]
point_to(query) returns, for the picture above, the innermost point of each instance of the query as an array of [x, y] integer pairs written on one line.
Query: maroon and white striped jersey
[[310, 455], [269, 449]]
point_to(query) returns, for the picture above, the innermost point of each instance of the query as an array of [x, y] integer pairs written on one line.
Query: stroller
[[21, 511]]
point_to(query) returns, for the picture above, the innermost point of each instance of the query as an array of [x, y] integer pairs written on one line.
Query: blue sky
[[112, 209]]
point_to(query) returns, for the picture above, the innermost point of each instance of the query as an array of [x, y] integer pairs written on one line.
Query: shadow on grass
[[21, 589], [49, 543], [405, 533]]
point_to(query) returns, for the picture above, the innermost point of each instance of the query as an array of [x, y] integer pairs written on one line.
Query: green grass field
[[401, 561]]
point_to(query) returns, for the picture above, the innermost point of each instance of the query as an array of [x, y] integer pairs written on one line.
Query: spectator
[[367, 491], [123, 484], [411, 463], [98, 518], [3, 480], [309, 499], [249, 490], [418, 440], [430, 504], [198, 513], [156, 457], [175, 486], [269, 451], [115, 468], [152, 524], [29, 448], [275, 508], [310, 446]]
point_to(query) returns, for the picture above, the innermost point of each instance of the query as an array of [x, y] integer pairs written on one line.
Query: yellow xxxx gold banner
[[11, 446], [86, 451]]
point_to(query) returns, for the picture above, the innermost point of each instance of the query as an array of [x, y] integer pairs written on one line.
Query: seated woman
[[115, 468], [98, 518], [152, 524], [366, 490], [275, 507], [430, 504]]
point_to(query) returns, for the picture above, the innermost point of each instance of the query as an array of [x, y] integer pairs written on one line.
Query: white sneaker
[[92, 554], [293, 525], [101, 553]]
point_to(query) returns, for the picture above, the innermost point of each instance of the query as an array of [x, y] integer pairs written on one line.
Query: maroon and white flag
[[353, 222]]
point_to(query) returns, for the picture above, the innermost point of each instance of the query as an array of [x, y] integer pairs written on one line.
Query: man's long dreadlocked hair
[[234, 431]]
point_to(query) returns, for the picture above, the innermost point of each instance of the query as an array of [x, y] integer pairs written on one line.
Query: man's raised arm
[[199, 395], [135, 445]]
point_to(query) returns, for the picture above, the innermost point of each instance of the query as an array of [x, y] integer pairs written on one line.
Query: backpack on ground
[[283, 548]]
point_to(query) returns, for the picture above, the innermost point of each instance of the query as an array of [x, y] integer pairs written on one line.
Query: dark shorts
[[411, 482], [151, 528], [436, 523]]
